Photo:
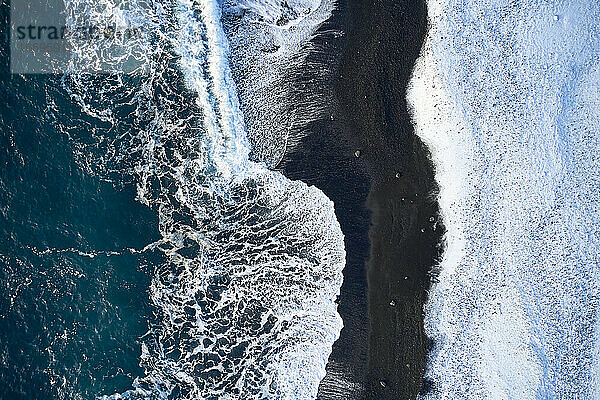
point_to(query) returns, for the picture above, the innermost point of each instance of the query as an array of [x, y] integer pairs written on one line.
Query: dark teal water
[[70, 324], [234, 295]]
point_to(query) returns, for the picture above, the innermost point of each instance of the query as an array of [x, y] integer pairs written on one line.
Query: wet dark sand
[[384, 198]]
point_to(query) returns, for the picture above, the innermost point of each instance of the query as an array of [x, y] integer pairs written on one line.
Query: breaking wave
[[251, 261]]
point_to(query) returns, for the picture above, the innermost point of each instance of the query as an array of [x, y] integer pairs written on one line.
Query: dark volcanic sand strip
[[384, 43], [383, 198], [323, 156]]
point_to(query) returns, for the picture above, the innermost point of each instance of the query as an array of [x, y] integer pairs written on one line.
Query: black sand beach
[[367, 159]]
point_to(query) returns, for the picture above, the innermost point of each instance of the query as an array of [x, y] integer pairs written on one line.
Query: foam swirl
[[252, 261]]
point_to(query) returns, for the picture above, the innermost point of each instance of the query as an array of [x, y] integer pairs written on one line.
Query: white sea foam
[[505, 95], [270, 43], [252, 261]]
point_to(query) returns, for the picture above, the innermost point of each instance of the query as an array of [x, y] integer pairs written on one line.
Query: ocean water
[[270, 42], [74, 286], [505, 95], [157, 260]]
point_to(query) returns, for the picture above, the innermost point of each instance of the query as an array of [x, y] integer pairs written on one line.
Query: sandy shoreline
[[384, 42], [383, 198]]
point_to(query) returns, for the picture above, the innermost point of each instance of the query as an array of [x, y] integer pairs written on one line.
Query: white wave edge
[[298, 285], [492, 342], [300, 366]]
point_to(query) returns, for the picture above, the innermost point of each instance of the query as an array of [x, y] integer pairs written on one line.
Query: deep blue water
[[69, 323], [143, 255]]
